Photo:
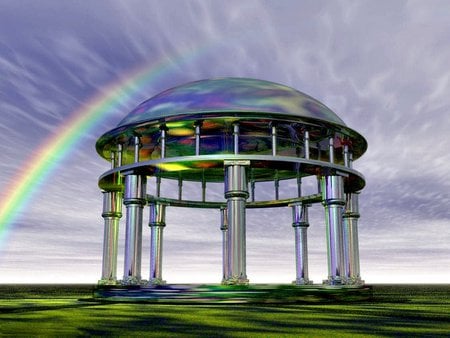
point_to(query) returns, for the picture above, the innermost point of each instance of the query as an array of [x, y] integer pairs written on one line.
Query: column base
[[108, 282], [333, 281], [133, 281], [235, 281], [156, 281], [357, 281], [302, 281]]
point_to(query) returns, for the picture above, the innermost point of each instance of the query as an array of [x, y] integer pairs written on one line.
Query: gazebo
[[240, 132]]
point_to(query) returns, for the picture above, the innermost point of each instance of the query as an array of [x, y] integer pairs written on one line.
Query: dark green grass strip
[[409, 311]]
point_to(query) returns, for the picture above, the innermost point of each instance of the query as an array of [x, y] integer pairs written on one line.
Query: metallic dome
[[186, 132], [237, 95]]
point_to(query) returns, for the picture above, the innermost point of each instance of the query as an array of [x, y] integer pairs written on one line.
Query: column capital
[[135, 189], [332, 187], [300, 215], [228, 163], [351, 209], [236, 184], [157, 215], [112, 204]]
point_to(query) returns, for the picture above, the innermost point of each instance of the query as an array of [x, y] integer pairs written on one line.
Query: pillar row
[[112, 212], [236, 193], [333, 202], [157, 222], [300, 223], [134, 200]]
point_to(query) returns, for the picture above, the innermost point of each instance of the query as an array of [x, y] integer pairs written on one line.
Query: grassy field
[[406, 310]]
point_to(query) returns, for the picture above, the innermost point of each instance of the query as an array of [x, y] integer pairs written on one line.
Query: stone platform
[[216, 293]]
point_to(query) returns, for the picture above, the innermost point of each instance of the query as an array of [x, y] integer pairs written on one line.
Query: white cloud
[[381, 66]]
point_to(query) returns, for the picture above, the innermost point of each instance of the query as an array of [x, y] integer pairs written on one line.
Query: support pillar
[[112, 212], [306, 144], [197, 126], [157, 222], [236, 193], [300, 223], [274, 139], [350, 234], [333, 202], [134, 201], [224, 228]]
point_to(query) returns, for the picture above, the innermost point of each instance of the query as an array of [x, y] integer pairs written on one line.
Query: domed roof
[[236, 95]]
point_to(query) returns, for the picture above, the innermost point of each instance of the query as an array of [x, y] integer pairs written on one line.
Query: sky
[[71, 70]]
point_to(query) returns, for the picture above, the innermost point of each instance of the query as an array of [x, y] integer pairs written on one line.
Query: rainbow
[[39, 166]]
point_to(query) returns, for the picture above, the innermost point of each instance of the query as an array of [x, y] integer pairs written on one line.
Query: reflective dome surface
[[188, 132], [231, 95]]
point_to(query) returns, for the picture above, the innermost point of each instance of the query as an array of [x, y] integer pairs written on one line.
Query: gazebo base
[[216, 293]]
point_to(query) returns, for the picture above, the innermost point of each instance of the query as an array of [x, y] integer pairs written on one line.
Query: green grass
[[410, 311]]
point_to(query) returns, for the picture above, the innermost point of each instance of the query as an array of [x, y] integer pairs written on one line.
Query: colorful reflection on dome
[[230, 95]]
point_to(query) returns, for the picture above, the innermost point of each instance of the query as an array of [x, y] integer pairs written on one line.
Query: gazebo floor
[[216, 293]]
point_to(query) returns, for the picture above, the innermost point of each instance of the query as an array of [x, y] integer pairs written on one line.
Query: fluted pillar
[[157, 222], [350, 239], [236, 193], [134, 200], [300, 223], [333, 202], [112, 212]]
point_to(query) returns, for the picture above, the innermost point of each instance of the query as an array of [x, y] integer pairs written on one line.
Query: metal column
[[350, 234], [157, 222], [134, 201], [333, 201], [300, 223], [112, 212], [350, 228], [224, 228], [236, 193]]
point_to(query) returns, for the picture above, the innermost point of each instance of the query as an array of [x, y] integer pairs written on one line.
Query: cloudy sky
[[382, 66]]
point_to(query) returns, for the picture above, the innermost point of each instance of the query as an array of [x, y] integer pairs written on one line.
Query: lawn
[[420, 310]]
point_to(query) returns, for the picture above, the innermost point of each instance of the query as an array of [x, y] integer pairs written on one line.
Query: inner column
[[224, 228], [157, 223], [300, 223], [236, 193], [351, 247]]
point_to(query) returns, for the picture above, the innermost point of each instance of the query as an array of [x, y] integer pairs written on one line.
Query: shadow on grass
[[421, 312], [33, 307]]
